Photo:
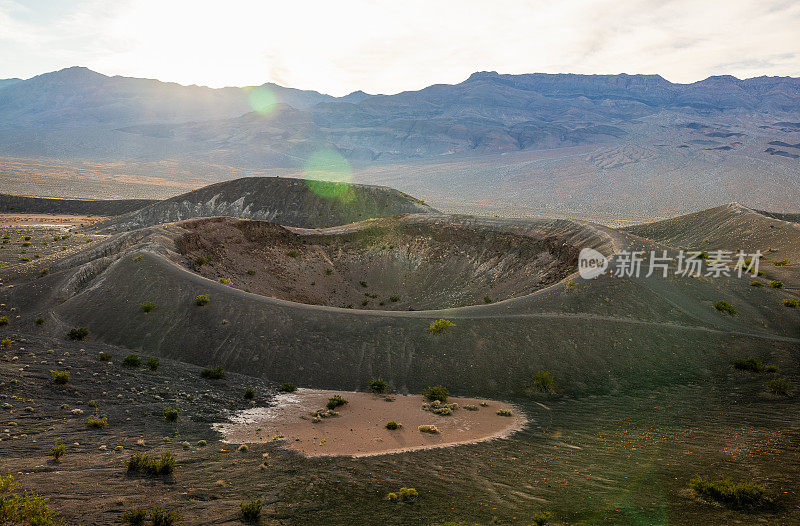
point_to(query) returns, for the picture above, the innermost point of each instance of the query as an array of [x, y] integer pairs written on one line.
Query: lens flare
[[261, 99], [328, 175]]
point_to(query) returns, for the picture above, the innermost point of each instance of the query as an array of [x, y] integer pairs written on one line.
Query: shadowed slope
[[291, 202]]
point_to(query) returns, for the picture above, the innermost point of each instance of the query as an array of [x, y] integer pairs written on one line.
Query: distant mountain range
[[634, 136], [487, 113]]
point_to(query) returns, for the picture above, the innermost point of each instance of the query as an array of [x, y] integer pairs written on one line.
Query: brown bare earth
[[360, 427]]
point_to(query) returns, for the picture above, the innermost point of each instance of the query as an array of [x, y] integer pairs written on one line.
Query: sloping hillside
[[45, 205], [290, 202]]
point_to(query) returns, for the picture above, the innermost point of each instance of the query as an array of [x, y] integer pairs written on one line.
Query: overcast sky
[[388, 46]]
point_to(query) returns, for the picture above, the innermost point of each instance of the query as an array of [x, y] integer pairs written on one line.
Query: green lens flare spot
[[261, 100], [328, 175]]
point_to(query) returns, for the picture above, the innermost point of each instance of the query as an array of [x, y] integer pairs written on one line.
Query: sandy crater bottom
[[360, 430]]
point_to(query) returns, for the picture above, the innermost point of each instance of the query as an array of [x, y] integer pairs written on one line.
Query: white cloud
[[383, 46]]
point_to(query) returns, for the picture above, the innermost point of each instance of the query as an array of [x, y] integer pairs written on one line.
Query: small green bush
[[378, 386], [780, 262], [200, 261], [335, 401], [6, 343], [392, 425], [250, 511], [543, 382], [201, 300], [78, 333], [792, 303], [57, 451], [251, 272], [132, 361], [149, 306], [162, 517], [776, 284], [150, 467], [725, 307], [170, 414], [226, 281], [60, 377], [408, 494], [3, 321], [779, 386], [540, 519], [756, 283], [249, 393], [213, 373], [39, 321], [135, 516], [97, 422], [440, 325], [752, 364], [27, 508], [436, 392], [739, 495], [287, 387], [153, 363], [104, 357], [394, 298], [45, 271], [504, 412]]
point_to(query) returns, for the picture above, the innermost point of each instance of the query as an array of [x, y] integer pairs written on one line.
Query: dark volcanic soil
[[407, 263]]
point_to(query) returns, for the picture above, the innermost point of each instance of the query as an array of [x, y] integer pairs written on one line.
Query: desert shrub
[[739, 495], [201, 299], [293, 254], [170, 414], [57, 451], [487, 299], [45, 271], [792, 303], [135, 516], [150, 467], [748, 364], [392, 425], [724, 306], [250, 511], [153, 363], [540, 519], [6, 343], [26, 244], [242, 448], [213, 373], [470, 407], [378, 386], [132, 361], [3, 320], [104, 357], [408, 494], [756, 283], [60, 377], [780, 262], [504, 412], [543, 382], [200, 261], [394, 298], [149, 306], [249, 393], [78, 333], [202, 443], [39, 321], [335, 401], [428, 428], [287, 387], [226, 281], [162, 517], [328, 271], [363, 284], [97, 422], [27, 508], [438, 408], [440, 325], [436, 392], [251, 272], [776, 284], [779, 386]]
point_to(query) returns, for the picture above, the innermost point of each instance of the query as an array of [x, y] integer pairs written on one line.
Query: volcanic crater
[[412, 262]]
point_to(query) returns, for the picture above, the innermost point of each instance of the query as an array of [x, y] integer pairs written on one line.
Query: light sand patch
[[360, 430]]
